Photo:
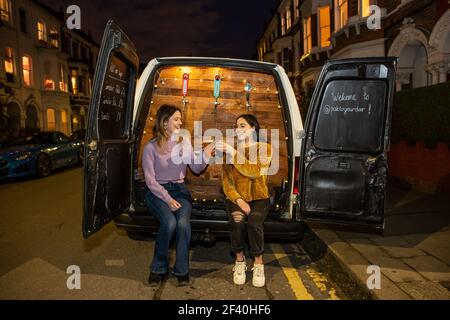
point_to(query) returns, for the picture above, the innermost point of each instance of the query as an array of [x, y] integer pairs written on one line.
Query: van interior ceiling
[[240, 92]]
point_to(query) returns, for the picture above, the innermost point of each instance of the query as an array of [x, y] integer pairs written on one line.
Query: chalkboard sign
[[113, 103], [351, 116]]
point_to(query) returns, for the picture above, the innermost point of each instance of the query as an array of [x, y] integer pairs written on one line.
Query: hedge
[[422, 115]]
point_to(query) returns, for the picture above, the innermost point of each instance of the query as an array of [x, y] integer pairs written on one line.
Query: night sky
[[219, 28]]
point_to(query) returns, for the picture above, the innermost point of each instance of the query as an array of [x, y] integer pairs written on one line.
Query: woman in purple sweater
[[164, 161]]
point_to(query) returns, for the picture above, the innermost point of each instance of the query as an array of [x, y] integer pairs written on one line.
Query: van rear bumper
[[273, 229]]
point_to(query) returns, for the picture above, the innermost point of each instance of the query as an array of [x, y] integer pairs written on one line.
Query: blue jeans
[[177, 222]]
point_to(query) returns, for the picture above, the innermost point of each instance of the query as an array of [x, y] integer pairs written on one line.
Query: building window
[[27, 70], [364, 7], [5, 11], [341, 13], [54, 38], [23, 20], [49, 84], [64, 126], [9, 64], [296, 12], [288, 19], [62, 85], [74, 81], [42, 32], [51, 119], [283, 25], [324, 26], [307, 36]]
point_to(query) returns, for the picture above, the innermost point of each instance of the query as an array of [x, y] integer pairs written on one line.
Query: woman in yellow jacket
[[247, 195]]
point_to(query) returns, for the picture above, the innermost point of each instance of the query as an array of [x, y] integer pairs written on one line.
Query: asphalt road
[[40, 237]]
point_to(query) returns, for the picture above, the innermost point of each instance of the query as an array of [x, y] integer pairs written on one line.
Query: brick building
[[303, 34], [46, 70]]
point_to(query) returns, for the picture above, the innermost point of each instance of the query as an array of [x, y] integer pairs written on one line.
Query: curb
[[355, 264]]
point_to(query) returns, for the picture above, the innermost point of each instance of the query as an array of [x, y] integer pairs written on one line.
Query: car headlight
[[23, 156]]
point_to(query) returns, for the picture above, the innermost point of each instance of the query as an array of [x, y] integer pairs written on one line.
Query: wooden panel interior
[[264, 104]]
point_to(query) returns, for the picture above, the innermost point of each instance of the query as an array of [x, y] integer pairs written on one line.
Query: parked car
[[333, 170], [38, 154], [79, 137]]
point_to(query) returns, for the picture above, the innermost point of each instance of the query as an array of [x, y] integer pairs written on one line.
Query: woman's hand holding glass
[[225, 147]]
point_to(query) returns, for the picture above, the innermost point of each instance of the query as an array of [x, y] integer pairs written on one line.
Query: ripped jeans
[[250, 226]]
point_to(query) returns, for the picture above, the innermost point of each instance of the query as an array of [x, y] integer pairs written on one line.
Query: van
[[332, 170]]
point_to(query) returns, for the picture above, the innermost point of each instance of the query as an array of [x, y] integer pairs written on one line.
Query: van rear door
[[343, 165], [107, 168]]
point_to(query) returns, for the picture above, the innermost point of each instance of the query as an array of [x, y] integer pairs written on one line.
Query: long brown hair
[[163, 115]]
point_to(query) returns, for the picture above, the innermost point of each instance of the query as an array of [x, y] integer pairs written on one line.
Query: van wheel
[[43, 165], [139, 236]]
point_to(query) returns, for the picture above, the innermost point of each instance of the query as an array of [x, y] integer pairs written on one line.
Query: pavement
[[413, 252]]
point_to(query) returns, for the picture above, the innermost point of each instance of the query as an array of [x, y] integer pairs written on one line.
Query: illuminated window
[[364, 8], [51, 119], [9, 64], [49, 84], [341, 13], [42, 32], [307, 37], [283, 25], [54, 38], [288, 19], [5, 10], [295, 13], [64, 124], [74, 81], [27, 70], [62, 85], [324, 26]]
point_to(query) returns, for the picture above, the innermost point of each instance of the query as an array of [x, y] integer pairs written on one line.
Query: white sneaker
[[258, 276], [239, 272]]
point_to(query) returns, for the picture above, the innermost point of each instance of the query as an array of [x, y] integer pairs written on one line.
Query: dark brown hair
[[252, 121], [162, 115]]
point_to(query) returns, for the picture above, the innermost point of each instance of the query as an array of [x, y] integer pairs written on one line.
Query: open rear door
[[343, 169], [107, 169]]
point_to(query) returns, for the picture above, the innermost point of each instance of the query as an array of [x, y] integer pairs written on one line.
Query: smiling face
[[173, 125], [244, 130]]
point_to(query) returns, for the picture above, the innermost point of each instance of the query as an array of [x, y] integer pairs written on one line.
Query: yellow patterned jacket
[[246, 178]]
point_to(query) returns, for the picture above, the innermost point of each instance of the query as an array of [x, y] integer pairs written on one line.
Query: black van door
[[107, 168], [343, 166]]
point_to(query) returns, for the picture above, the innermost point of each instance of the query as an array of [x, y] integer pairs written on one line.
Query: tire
[[139, 236], [43, 165]]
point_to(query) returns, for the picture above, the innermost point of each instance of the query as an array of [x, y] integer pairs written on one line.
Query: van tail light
[[296, 177]]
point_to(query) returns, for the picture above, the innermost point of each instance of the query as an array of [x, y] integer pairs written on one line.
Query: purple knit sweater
[[170, 166]]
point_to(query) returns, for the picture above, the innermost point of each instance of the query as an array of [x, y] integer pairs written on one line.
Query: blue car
[[38, 154]]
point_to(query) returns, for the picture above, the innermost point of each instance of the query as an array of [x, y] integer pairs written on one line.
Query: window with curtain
[[5, 11], [324, 26], [64, 123], [51, 119], [54, 38], [307, 36], [9, 64], [364, 7], [341, 13], [27, 70], [42, 32]]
